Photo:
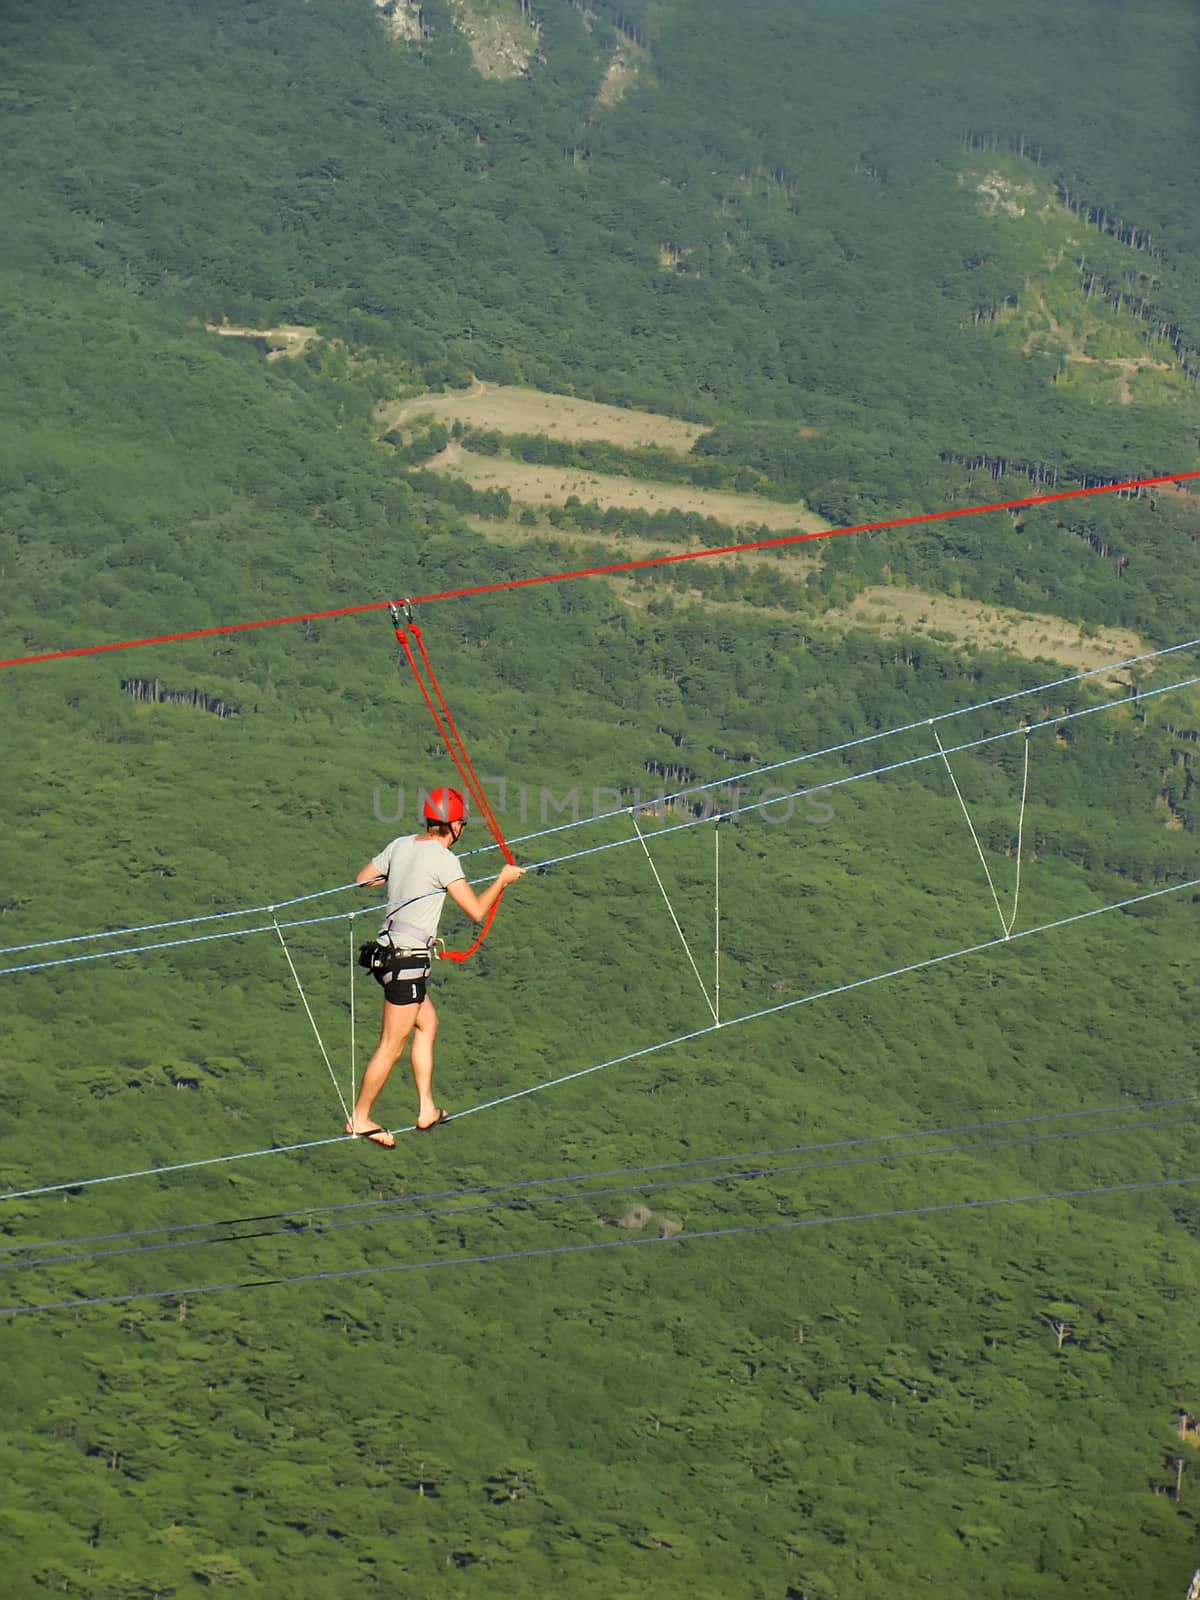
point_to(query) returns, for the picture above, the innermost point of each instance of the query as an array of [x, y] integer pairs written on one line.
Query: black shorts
[[408, 990]]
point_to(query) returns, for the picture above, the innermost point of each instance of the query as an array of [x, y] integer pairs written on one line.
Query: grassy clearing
[[402, 18], [546, 486], [1030, 635], [628, 63], [290, 339], [1062, 312], [503, 36], [794, 561], [503, 408]]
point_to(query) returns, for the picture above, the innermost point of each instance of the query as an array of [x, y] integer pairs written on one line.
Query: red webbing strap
[[446, 727], [476, 787], [453, 739]]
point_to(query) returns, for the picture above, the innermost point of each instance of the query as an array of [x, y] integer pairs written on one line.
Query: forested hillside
[[297, 296]]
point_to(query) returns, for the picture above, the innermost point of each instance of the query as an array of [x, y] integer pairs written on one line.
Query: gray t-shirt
[[419, 870]]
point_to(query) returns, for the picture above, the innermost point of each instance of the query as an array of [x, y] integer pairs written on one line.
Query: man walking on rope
[[420, 871]]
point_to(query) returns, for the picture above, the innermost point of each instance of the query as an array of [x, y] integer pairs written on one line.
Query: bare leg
[[422, 1061], [397, 1024]]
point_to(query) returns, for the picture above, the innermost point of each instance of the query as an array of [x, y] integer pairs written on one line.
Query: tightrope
[[632, 1055]]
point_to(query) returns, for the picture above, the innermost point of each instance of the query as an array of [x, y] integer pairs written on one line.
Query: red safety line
[[452, 738], [476, 786], [599, 572]]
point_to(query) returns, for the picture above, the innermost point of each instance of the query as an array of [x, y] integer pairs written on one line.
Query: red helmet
[[445, 805]]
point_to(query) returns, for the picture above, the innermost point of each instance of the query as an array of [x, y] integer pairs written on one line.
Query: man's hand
[[477, 906]]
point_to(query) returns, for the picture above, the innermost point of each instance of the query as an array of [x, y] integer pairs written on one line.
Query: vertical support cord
[[717, 923], [311, 1018], [674, 918], [353, 1072], [1012, 922], [974, 835]]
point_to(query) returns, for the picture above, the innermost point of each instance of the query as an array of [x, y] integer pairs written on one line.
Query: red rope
[[476, 786], [452, 739], [617, 566]]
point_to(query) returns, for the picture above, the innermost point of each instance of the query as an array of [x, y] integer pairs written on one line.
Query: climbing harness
[[383, 952]]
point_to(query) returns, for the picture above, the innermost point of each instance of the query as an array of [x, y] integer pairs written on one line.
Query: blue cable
[[179, 922], [716, 783], [856, 777], [617, 844], [1136, 1186], [849, 744], [470, 1191], [742, 1174]]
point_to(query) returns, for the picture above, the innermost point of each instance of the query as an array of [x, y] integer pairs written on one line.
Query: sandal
[[442, 1116], [373, 1135]]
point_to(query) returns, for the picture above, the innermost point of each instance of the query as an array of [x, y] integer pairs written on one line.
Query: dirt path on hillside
[[1126, 365]]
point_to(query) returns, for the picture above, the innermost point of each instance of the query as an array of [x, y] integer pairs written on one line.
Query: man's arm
[[477, 906], [370, 874]]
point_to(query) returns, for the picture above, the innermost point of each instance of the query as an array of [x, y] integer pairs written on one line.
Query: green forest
[[916, 1308]]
